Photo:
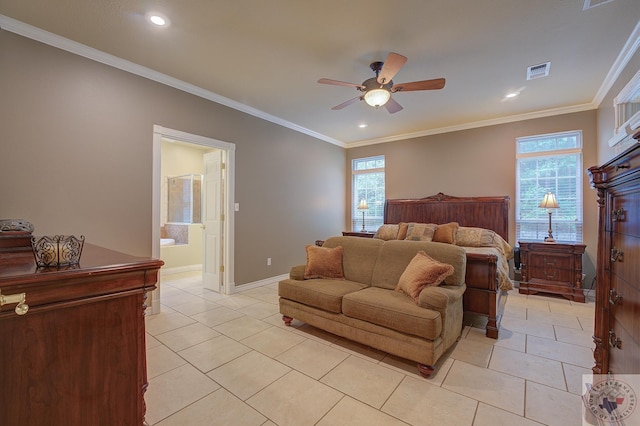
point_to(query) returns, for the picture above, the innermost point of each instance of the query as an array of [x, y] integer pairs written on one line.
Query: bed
[[487, 275]]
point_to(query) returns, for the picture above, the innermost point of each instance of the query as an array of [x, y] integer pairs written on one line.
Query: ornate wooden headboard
[[482, 212]]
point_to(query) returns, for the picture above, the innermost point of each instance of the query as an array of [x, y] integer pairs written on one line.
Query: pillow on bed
[[446, 233], [475, 237], [480, 237], [421, 272], [387, 232], [402, 230], [420, 231], [324, 262]]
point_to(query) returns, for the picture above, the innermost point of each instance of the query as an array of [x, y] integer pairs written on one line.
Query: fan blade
[[435, 84], [392, 106], [340, 83], [391, 66], [347, 103]]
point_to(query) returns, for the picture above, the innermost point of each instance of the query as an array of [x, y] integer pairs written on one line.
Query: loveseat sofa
[[365, 304]]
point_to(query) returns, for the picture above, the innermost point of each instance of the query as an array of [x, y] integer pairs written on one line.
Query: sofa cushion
[[446, 233], [422, 271], [396, 255], [393, 310], [320, 293], [359, 256], [323, 262]]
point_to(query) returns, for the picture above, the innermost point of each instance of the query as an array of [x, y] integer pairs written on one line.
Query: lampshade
[[377, 97], [363, 205], [549, 201]]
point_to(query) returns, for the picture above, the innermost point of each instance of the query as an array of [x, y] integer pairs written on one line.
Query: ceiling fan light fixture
[[377, 97]]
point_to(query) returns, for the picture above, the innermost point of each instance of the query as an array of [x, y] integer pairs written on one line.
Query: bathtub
[[167, 242]]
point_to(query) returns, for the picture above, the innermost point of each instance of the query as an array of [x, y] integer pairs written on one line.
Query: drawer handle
[[614, 297], [617, 215], [621, 166], [614, 341], [616, 254], [19, 298]]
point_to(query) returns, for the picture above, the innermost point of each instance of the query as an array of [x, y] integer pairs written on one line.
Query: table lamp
[[363, 206], [549, 202]]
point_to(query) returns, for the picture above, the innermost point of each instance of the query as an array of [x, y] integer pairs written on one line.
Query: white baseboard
[[180, 269], [589, 294], [256, 284]]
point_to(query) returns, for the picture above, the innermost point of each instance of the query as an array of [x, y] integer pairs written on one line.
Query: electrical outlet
[[268, 261]]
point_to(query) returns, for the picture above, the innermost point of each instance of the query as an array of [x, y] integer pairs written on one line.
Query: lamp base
[[549, 239]]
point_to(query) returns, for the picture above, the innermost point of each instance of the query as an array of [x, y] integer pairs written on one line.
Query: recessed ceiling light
[[158, 20], [512, 95], [362, 126]]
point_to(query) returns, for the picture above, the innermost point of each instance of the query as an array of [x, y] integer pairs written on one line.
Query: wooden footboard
[[483, 296]]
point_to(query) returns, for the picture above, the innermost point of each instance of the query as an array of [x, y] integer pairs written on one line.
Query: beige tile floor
[[229, 360]]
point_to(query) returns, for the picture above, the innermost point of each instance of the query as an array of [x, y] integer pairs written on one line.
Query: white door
[[212, 217]]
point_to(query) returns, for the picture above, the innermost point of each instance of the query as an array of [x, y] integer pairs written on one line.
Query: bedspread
[[502, 265]]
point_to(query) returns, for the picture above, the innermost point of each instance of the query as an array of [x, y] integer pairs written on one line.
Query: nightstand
[[365, 234], [552, 268]]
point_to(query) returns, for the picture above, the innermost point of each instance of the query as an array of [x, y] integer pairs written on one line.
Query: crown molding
[[34, 33], [477, 124], [625, 55]]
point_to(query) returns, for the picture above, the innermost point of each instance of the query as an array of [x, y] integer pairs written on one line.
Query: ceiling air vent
[[538, 71]]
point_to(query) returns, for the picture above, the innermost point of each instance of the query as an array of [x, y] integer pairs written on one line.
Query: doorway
[[216, 226]]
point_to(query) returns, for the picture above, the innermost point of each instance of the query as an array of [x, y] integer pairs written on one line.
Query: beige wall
[[77, 148], [480, 162], [76, 158], [606, 115]]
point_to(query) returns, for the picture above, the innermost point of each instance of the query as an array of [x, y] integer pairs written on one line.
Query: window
[[368, 184], [549, 163]]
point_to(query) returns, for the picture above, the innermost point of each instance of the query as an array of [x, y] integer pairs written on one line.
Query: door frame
[[159, 132]]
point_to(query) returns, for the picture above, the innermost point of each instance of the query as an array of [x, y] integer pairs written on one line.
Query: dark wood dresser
[[617, 321], [77, 356]]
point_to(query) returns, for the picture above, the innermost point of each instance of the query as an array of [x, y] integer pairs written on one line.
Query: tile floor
[[229, 360]]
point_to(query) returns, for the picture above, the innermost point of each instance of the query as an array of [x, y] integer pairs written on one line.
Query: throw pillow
[[387, 232], [422, 271], [324, 262], [402, 230], [446, 233], [475, 237], [420, 231]]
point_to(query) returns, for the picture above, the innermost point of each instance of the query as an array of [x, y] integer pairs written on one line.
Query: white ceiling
[[266, 56]]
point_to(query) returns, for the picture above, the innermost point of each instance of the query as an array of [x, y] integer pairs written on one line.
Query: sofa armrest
[[447, 300], [297, 272], [438, 298]]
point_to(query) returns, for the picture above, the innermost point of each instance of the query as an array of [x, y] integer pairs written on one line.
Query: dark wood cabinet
[[552, 268], [77, 356], [364, 234], [617, 317]]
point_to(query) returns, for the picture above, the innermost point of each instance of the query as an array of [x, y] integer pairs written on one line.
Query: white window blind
[[368, 184], [549, 163]]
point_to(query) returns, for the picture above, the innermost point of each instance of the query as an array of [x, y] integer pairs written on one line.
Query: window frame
[[374, 216], [564, 230]]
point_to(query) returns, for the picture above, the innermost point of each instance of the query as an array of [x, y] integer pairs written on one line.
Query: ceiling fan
[[377, 90]]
